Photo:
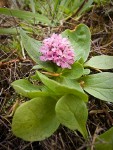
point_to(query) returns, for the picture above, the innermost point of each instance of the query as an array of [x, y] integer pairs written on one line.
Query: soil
[[13, 66]]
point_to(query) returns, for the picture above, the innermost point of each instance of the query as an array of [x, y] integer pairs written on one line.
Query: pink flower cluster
[[58, 50]]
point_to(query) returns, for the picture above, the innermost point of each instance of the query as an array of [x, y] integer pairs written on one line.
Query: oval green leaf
[[35, 120], [72, 112], [75, 72], [27, 89], [100, 85], [64, 88], [80, 39], [100, 62]]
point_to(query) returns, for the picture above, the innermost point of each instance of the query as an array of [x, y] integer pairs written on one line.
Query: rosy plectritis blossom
[[58, 50]]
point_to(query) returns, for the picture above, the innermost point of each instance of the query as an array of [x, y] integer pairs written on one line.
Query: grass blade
[[8, 30], [25, 15]]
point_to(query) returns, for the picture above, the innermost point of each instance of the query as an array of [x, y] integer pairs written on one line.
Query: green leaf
[[105, 141], [86, 6], [25, 15], [35, 77], [9, 30], [37, 67], [32, 5], [32, 47], [100, 62], [75, 72], [70, 83], [72, 112], [35, 120], [64, 88], [100, 85], [86, 71], [102, 2], [81, 61], [27, 89], [80, 39]]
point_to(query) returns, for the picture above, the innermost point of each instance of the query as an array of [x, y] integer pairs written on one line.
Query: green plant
[[102, 2], [48, 13], [59, 98], [51, 12], [61, 10], [105, 140], [27, 16]]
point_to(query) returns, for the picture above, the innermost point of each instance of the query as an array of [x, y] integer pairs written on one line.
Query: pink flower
[[58, 50]]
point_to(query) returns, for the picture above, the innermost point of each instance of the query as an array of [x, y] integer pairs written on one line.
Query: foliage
[[105, 140], [54, 95], [102, 2], [80, 39], [105, 62], [99, 85], [46, 13], [60, 10], [39, 119], [59, 98], [49, 13], [25, 15]]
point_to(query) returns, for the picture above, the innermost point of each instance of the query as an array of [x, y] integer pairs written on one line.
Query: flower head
[[58, 50]]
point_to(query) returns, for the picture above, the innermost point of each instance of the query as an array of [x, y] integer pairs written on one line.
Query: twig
[[13, 108], [98, 129], [96, 69], [108, 115], [96, 111], [23, 53], [52, 74], [13, 61]]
